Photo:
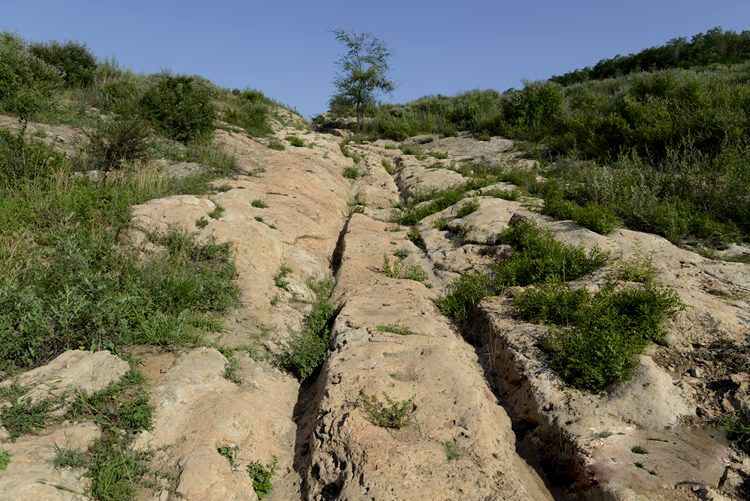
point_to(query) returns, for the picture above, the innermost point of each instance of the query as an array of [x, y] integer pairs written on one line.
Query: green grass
[[262, 474], [401, 330], [276, 145], [392, 270], [295, 141], [115, 469], [638, 449], [451, 451], [229, 453], [438, 200], [350, 172], [259, 204], [201, 223], [636, 269], [67, 457], [440, 224], [4, 459], [217, 212], [279, 279], [416, 273], [550, 303], [388, 414], [69, 282], [738, 432], [463, 295], [439, 155], [388, 166], [348, 153], [250, 113], [468, 208], [308, 348], [512, 194], [23, 417], [409, 149]]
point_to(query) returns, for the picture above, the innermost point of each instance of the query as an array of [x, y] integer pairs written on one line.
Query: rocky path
[[481, 416]]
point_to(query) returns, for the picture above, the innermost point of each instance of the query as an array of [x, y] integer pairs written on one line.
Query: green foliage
[[463, 296], [414, 235], [350, 172], [276, 145], [637, 269], [22, 416], [4, 459], [204, 152], [69, 283], [388, 166], [511, 195], [391, 270], [116, 471], [388, 414], [123, 405], [410, 149], [451, 451], [26, 82], [348, 153], [611, 330], [295, 141], [363, 71], [638, 449], [714, 46], [259, 204], [280, 277], [250, 110], [116, 141], [217, 212], [67, 457], [440, 224], [402, 253], [468, 208], [401, 330], [228, 453], [439, 200], [201, 223], [308, 349], [416, 273], [262, 475], [550, 303], [738, 432], [538, 257], [23, 160], [180, 106], [73, 60]]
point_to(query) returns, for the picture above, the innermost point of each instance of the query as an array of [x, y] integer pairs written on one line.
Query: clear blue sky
[[284, 47]]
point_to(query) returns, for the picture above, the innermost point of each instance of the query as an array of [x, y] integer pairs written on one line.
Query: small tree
[[363, 70]]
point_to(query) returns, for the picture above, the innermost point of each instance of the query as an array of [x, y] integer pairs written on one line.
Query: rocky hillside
[[406, 326]]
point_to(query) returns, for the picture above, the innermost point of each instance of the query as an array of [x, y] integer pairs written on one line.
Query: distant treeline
[[714, 46]]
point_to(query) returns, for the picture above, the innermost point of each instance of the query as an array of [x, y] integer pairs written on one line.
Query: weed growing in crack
[[4, 459], [23, 416], [401, 253], [468, 208], [388, 414], [276, 145], [440, 224], [738, 432], [217, 212], [511, 195], [280, 277], [451, 451], [231, 370], [638, 449], [388, 166], [262, 475], [308, 349], [637, 269], [295, 141], [391, 270], [348, 153], [416, 273], [68, 457], [229, 453], [438, 200], [259, 204], [350, 172], [201, 223], [463, 296]]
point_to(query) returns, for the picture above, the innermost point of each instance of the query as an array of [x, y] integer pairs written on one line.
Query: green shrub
[[550, 303], [4, 459], [388, 166], [439, 200], [259, 204], [180, 106], [388, 414], [307, 349], [348, 152], [440, 224], [451, 451], [116, 471], [350, 172], [410, 149], [592, 216], [262, 475], [415, 273], [737, 432], [468, 208], [115, 141], [463, 296], [401, 330], [295, 141], [217, 212], [251, 116], [611, 330], [73, 60], [276, 145], [538, 257], [511, 195]]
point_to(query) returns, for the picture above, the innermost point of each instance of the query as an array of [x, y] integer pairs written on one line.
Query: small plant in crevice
[[348, 153], [307, 349], [463, 296], [440, 224], [416, 273], [350, 172], [389, 414], [229, 453], [737, 431], [4, 459], [636, 269], [638, 449], [279, 279], [388, 166], [259, 204], [392, 270], [276, 145], [409, 149], [402, 253], [217, 212], [468, 208], [231, 370], [68, 457], [438, 155], [295, 141], [414, 235], [451, 451], [511, 195], [401, 330], [23, 416], [262, 474]]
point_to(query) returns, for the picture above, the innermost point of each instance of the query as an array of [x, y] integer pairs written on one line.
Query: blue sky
[[285, 49]]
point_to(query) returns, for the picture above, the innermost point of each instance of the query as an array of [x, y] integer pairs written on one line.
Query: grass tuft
[[388, 414]]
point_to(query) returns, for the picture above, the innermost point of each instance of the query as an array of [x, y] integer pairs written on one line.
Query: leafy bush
[[180, 106], [439, 200], [350, 172], [307, 349], [253, 117], [538, 257], [295, 141], [262, 475], [738, 432], [611, 330], [388, 414], [463, 296], [4, 459], [73, 60], [468, 208], [117, 140], [550, 303]]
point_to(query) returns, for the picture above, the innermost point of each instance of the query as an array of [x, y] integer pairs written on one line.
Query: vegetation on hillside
[[664, 151]]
